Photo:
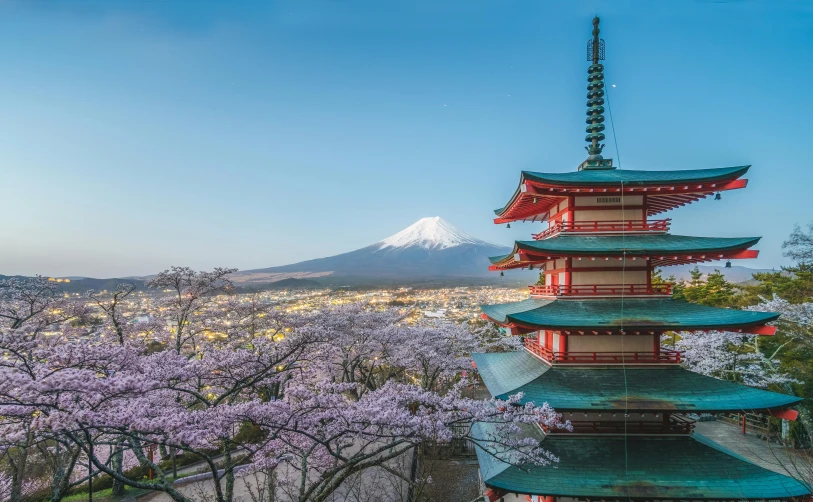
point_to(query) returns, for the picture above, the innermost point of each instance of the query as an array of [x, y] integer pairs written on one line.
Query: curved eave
[[538, 192], [634, 314], [636, 468], [661, 250], [579, 389]]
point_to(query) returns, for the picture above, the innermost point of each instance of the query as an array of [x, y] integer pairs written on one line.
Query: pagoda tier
[[539, 194], [647, 249], [631, 316], [593, 328], [630, 468], [604, 391]]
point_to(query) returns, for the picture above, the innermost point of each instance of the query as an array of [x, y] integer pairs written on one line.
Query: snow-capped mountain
[[429, 248], [431, 233]]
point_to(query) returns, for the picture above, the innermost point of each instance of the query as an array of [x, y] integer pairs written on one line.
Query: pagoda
[[593, 337]]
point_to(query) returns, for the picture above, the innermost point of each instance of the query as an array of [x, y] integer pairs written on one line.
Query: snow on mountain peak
[[430, 233]]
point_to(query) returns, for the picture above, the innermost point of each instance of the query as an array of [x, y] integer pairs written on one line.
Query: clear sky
[[139, 134]]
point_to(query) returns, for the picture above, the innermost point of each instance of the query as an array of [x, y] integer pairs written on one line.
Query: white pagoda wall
[[610, 343], [609, 277]]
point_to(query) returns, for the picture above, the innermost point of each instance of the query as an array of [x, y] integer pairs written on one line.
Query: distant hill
[[431, 250], [736, 274], [81, 285]]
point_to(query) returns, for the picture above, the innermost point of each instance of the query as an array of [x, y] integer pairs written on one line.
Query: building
[[593, 331]]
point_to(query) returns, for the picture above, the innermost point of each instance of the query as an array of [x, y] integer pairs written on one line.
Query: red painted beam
[[733, 185], [745, 254], [760, 330], [791, 415]]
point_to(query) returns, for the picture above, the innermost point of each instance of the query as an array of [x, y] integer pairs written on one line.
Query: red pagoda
[[593, 337]]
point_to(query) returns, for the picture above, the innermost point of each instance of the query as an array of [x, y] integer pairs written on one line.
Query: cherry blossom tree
[[112, 309], [190, 291], [730, 356], [312, 400], [34, 304], [28, 307]]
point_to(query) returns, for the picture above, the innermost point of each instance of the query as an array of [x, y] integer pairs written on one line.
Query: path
[[763, 453]]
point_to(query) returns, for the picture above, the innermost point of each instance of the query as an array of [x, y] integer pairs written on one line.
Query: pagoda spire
[[595, 102]]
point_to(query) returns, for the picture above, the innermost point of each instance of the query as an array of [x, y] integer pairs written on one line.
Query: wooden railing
[[601, 290], [665, 356], [604, 227]]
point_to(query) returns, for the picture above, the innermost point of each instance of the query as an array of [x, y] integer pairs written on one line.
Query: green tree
[[714, 291], [794, 284], [677, 287]]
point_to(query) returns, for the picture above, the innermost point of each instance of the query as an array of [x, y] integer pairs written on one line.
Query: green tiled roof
[[614, 177], [636, 313], [631, 177], [643, 245], [636, 467], [607, 389]]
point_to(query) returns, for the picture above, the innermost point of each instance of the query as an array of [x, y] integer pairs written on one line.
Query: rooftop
[[602, 315], [537, 192], [612, 467], [614, 177], [662, 249], [608, 389]]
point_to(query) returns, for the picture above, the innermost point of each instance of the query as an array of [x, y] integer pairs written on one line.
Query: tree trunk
[[61, 482], [229, 471], [117, 462], [18, 465], [271, 485]]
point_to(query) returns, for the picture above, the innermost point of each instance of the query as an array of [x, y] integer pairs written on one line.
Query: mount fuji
[[431, 248]]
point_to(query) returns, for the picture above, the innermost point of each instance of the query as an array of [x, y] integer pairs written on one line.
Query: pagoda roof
[[632, 467], [658, 314], [662, 249], [666, 189], [612, 177], [597, 389]]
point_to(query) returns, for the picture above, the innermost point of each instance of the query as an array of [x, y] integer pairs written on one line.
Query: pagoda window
[[617, 200], [608, 200]]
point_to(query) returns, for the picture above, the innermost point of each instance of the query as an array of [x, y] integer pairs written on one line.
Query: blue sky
[[139, 134]]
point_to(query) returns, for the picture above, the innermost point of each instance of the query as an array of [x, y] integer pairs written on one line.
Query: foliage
[[311, 400], [730, 356], [799, 246], [714, 291], [794, 284]]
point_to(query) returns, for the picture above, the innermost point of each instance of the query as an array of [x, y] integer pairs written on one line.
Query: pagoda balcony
[[597, 290], [604, 227], [664, 356]]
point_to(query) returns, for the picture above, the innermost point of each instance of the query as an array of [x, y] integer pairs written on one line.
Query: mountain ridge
[[429, 248]]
